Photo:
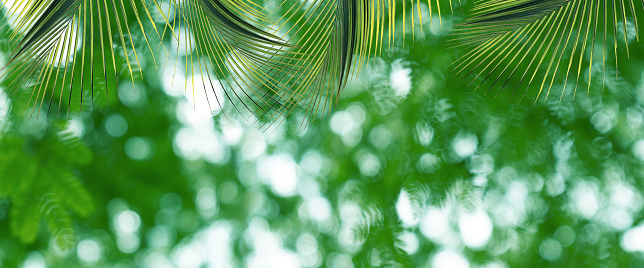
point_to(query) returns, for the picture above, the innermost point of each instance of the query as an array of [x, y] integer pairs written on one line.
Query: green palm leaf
[[230, 47], [267, 66], [53, 40], [227, 43], [540, 41], [335, 38], [298, 62]]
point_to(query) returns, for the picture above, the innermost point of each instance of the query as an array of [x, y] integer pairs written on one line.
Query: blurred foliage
[[35, 177], [408, 170]]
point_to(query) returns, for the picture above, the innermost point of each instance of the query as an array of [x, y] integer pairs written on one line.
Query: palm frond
[[263, 64], [335, 39], [230, 48], [53, 40], [539, 41]]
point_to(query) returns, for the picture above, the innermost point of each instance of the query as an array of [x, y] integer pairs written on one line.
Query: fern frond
[[25, 219], [71, 193], [58, 220], [539, 42], [41, 185]]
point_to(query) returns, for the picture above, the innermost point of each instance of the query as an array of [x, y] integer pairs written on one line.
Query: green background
[[428, 174]]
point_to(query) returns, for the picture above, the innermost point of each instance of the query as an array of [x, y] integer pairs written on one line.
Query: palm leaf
[[301, 59], [231, 48], [266, 65], [227, 43], [549, 40], [53, 40], [335, 39]]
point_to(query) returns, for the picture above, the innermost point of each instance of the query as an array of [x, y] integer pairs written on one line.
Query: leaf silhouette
[[539, 41]]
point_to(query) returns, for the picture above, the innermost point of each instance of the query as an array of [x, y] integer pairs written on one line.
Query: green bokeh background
[[391, 177]]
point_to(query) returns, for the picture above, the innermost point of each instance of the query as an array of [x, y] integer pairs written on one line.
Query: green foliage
[[25, 220], [36, 176], [386, 179], [536, 43]]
